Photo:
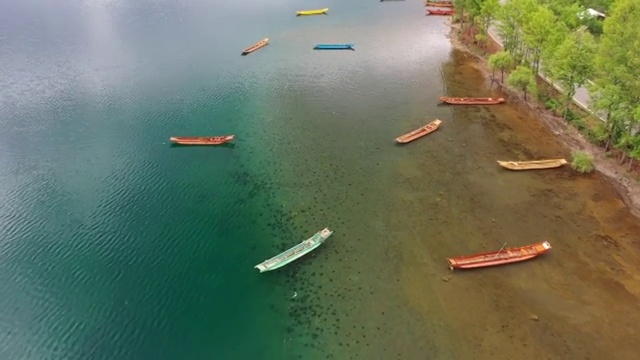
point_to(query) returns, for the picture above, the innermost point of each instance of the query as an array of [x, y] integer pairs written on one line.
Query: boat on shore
[[295, 252], [440, 11], [471, 101], [438, 4], [533, 165], [419, 132], [201, 140], [259, 45], [334, 47], [500, 257], [312, 12]]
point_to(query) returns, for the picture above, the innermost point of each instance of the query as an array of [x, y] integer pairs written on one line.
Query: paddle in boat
[[471, 101], [295, 252], [312, 12], [533, 165], [500, 257], [438, 4], [201, 140], [440, 12], [260, 44], [420, 132], [334, 47]]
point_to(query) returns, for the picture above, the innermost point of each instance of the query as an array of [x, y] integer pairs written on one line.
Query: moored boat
[[260, 44], [420, 132], [201, 140], [500, 257], [334, 47], [295, 252], [440, 12], [438, 4], [312, 12], [471, 101], [533, 165]]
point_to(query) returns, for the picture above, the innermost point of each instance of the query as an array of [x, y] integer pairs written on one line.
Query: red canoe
[[471, 101], [419, 132], [501, 257], [440, 12], [438, 4], [213, 140]]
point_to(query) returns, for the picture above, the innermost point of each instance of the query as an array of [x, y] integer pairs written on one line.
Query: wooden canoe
[[438, 4], [533, 165], [312, 12], [501, 257], [440, 11], [260, 44], [471, 101], [420, 132], [195, 140]]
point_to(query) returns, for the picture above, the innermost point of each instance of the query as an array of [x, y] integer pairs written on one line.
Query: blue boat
[[334, 47]]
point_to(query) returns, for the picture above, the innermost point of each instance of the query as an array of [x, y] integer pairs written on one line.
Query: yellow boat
[[532, 165], [312, 12]]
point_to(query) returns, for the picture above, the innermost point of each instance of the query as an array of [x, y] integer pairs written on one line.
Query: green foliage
[[523, 79], [582, 162], [502, 61]]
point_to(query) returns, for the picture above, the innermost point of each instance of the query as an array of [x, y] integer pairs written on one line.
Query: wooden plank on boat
[[533, 165], [500, 257], [419, 132]]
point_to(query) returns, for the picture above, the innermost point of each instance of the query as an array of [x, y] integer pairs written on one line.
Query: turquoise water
[[116, 245]]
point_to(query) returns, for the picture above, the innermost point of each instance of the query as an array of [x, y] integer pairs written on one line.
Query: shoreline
[[615, 173]]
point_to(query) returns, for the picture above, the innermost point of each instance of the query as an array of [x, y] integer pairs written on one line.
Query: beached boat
[[201, 140], [440, 12], [334, 47], [420, 132], [533, 165], [260, 44], [438, 4], [312, 12], [500, 257], [295, 252], [471, 101]]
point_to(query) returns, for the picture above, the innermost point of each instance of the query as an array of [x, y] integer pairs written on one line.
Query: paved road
[[581, 97]]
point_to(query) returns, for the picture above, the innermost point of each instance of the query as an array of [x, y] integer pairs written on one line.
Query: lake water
[[115, 244]]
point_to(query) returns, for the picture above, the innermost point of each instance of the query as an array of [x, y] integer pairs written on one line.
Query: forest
[[573, 49]]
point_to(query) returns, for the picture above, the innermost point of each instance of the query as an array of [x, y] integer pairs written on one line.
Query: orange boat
[[471, 101], [501, 257], [440, 12], [260, 44], [195, 140], [420, 132], [438, 4]]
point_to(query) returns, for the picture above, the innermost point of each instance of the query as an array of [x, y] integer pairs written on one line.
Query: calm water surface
[[116, 245]]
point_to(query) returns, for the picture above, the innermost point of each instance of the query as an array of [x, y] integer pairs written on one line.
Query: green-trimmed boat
[[295, 252]]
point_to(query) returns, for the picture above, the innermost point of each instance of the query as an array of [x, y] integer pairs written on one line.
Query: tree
[[512, 16], [571, 64], [488, 12], [523, 79], [502, 61], [541, 32]]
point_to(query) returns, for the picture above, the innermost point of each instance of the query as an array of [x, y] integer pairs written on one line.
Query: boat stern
[[261, 267], [325, 233], [546, 245]]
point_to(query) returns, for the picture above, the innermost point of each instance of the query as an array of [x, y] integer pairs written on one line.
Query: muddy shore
[[614, 172]]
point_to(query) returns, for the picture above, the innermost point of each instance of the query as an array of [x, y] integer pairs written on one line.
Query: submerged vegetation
[[573, 49]]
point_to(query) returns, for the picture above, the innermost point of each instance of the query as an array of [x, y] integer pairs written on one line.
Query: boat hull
[[312, 12], [502, 257], [471, 101], [533, 165], [212, 140], [259, 45], [419, 132], [334, 47], [295, 252], [440, 12]]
